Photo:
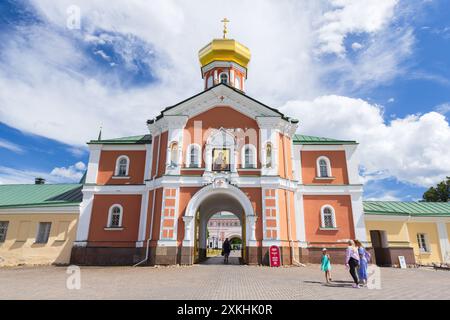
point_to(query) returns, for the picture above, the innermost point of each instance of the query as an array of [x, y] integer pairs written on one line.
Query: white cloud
[[443, 108], [413, 149], [10, 146], [356, 46], [352, 16], [71, 174]]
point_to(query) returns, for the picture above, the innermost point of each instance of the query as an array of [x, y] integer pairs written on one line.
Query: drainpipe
[[288, 205], [153, 204]]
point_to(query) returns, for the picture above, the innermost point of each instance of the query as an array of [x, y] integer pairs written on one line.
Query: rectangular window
[[3, 230], [43, 232], [423, 243]]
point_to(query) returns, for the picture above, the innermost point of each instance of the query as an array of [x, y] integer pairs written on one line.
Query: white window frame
[[426, 242], [328, 162], [188, 155], [322, 217], [109, 222], [228, 77], [116, 173], [38, 233], [254, 155]]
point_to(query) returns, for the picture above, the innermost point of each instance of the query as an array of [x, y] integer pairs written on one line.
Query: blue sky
[[377, 73]]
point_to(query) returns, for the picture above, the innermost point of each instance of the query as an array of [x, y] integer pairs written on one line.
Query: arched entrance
[[214, 198]]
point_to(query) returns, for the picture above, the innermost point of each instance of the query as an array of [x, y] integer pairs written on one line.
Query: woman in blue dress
[[326, 265], [364, 258]]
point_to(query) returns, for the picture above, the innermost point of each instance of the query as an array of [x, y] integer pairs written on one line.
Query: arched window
[[122, 166], [269, 155], [115, 216], [209, 82], [174, 154], [328, 217], [224, 78], [323, 167], [193, 156], [249, 156]]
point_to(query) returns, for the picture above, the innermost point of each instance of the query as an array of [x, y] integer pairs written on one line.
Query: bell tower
[[224, 61]]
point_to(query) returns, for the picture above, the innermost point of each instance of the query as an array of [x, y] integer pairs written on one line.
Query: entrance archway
[[209, 201]]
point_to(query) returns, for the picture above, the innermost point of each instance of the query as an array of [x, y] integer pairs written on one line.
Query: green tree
[[440, 193]]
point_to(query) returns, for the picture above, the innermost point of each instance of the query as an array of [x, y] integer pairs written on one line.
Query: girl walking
[[364, 258], [326, 265]]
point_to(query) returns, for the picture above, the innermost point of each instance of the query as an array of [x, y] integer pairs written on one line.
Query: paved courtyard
[[217, 281]]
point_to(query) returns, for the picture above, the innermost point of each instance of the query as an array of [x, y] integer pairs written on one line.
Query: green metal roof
[[303, 139], [142, 139], [39, 195], [398, 208]]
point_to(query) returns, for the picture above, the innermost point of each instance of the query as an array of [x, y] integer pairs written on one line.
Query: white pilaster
[[84, 219], [443, 241], [143, 219], [358, 217], [351, 155], [187, 242], [94, 159], [300, 219]]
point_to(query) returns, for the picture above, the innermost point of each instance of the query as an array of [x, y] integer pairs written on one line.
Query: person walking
[[364, 259], [226, 248], [326, 265], [352, 261]]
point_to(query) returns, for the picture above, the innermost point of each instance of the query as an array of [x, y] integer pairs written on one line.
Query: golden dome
[[225, 50]]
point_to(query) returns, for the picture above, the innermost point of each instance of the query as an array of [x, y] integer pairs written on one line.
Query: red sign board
[[274, 256]]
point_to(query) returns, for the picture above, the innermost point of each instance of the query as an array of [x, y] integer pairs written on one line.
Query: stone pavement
[[217, 281]]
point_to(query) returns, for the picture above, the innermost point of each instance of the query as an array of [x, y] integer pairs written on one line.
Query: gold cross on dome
[[225, 30]]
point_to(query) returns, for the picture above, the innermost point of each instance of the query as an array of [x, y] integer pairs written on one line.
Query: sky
[[374, 71]]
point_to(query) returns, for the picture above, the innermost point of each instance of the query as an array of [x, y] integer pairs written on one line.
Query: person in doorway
[[364, 258], [326, 265], [226, 248], [352, 261]]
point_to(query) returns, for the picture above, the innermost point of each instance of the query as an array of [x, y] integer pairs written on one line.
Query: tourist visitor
[[364, 258], [352, 261], [226, 248], [326, 265]]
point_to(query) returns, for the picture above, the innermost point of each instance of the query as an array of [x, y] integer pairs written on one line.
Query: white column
[[94, 159], [443, 241], [358, 217], [84, 219]]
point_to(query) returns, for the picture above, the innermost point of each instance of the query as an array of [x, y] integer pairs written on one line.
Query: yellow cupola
[[224, 61]]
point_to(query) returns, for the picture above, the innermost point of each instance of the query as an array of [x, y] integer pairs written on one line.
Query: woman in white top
[[352, 261]]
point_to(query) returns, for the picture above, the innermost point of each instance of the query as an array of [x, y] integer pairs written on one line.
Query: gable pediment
[[222, 95]]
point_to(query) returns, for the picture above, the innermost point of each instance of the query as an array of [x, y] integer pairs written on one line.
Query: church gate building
[[147, 199]]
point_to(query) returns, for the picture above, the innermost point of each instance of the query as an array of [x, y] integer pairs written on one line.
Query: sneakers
[[356, 286]]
